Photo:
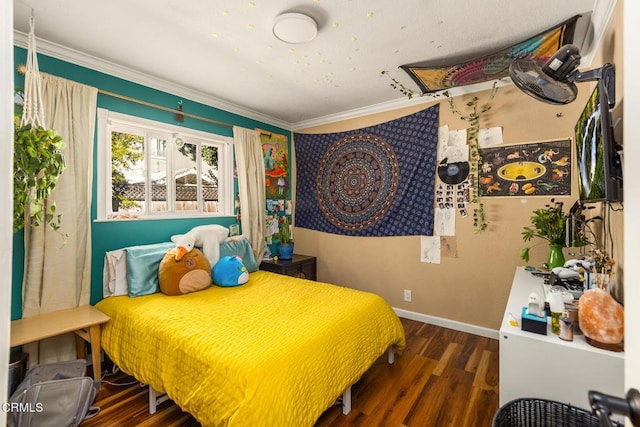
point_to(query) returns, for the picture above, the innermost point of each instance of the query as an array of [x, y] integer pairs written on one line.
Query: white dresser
[[544, 366]]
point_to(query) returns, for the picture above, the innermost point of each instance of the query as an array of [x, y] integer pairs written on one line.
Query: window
[[148, 169]]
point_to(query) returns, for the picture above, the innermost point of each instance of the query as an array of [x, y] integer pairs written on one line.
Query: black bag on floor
[[54, 394]]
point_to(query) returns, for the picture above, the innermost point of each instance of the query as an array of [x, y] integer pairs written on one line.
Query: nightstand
[[302, 266]]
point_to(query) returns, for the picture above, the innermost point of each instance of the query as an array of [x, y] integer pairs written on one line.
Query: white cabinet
[[544, 366]]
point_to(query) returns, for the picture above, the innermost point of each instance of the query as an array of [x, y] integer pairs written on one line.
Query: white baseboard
[[447, 323]]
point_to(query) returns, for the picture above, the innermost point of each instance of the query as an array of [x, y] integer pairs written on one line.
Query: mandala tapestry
[[374, 181]]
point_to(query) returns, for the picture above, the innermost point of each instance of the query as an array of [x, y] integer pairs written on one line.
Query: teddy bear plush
[[190, 273], [207, 237]]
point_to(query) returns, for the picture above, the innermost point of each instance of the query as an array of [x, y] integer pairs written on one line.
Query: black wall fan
[[554, 81]]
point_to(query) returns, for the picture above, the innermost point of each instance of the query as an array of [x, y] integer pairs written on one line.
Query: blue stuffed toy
[[229, 271]]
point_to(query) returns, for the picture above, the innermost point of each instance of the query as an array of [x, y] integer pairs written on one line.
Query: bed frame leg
[[152, 400], [155, 399], [346, 395], [346, 401]]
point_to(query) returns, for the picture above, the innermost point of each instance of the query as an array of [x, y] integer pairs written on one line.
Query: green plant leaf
[[284, 231], [38, 162]]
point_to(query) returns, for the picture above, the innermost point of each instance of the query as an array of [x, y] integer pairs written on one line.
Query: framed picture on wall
[[534, 169]]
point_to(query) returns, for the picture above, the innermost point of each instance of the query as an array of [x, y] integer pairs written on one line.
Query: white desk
[[544, 366]]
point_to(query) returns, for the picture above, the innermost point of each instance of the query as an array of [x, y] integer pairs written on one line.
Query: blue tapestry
[[374, 181]]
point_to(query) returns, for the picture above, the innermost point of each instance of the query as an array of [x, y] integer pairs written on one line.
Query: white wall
[[6, 188], [632, 196]]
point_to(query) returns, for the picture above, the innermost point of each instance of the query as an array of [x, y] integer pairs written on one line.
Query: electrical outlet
[[407, 295]]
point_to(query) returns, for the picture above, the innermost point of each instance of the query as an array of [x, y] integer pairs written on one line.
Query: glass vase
[[556, 257], [599, 280]]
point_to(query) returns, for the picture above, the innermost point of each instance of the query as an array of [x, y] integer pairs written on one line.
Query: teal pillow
[[142, 267], [243, 249]]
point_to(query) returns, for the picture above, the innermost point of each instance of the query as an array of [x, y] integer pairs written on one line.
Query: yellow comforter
[[276, 351]]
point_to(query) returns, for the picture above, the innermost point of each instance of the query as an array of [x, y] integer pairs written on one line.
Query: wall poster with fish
[[534, 169]]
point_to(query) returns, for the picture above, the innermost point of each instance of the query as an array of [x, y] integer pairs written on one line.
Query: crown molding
[[398, 103], [76, 57]]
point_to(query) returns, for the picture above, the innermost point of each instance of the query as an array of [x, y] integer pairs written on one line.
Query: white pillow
[[115, 273]]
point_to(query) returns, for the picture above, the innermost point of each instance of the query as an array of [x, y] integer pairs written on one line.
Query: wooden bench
[[84, 321]]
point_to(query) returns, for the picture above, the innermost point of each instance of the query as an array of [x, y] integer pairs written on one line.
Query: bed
[[276, 351]]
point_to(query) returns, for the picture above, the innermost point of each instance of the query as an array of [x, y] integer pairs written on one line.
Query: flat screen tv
[[598, 160]]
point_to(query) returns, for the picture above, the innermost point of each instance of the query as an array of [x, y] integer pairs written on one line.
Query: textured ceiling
[[226, 53]]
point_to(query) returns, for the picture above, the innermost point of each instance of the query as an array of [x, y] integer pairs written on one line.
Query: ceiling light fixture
[[295, 28]]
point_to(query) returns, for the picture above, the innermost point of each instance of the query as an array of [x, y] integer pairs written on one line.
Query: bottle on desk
[[566, 327], [556, 304]]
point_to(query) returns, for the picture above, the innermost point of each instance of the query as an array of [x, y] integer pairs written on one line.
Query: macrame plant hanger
[[33, 109], [40, 160]]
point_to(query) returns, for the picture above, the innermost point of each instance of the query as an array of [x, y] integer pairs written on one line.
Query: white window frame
[[108, 120]]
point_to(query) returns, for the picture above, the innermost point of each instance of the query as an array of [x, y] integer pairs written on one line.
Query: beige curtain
[[250, 166], [58, 268]]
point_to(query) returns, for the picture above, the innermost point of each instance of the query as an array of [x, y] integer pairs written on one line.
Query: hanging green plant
[[406, 91], [397, 85], [37, 152], [479, 220], [473, 117], [37, 164], [473, 129]]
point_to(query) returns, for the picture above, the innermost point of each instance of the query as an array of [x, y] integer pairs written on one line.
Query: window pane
[[158, 168], [128, 176], [209, 168], [158, 147], [186, 178]]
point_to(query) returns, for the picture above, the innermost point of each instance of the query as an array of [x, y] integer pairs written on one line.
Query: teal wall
[[107, 236]]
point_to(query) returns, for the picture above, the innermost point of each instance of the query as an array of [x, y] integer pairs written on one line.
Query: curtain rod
[[171, 110], [22, 70], [160, 107]]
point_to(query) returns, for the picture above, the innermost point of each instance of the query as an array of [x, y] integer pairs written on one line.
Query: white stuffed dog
[[207, 237]]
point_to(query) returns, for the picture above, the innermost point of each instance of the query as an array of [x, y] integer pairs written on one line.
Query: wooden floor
[[443, 378]]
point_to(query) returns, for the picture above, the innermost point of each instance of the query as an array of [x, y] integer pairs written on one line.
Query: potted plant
[[549, 223], [38, 161], [37, 164], [285, 239]]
